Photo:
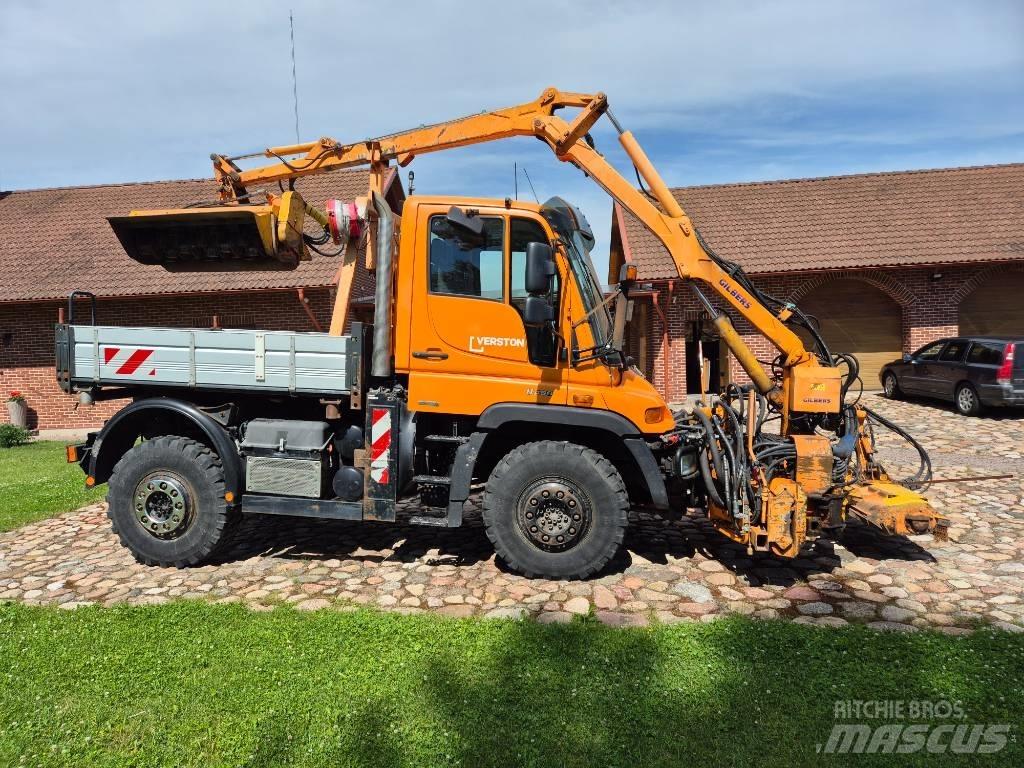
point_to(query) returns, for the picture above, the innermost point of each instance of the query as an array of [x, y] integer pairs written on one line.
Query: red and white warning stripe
[[131, 364], [380, 445]]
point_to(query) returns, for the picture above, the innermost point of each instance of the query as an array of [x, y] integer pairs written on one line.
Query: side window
[[985, 354], [541, 343], [954, 351], [461, 265], [929, 351]]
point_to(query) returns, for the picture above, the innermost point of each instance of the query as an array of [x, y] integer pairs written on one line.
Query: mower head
[[218, 238]]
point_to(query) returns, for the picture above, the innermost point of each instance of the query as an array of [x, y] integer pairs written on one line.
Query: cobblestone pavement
[[668, 571]]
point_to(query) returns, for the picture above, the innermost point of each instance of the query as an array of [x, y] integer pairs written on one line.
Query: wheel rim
[[163, 505], [553, 514], [890, 385], [965, 399]]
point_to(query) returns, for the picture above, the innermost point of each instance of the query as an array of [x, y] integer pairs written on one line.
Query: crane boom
[[568, 140]]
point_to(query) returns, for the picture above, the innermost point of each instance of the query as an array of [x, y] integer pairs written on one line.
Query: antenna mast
[[295, 82]]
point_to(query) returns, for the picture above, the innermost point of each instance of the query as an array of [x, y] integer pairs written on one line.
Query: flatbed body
[[268, 362]]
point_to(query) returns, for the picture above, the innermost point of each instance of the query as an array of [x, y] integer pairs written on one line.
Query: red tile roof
[[53, 241], [869, 220]]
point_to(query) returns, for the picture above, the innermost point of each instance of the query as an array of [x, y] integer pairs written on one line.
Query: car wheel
[[891, 387], [555, 510], [166, 502], [967, 402]]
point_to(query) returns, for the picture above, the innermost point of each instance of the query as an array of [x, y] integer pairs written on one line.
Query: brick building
[[53, 241], [884, 261]]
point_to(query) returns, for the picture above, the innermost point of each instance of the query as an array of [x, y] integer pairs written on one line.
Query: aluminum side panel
[[273, 361]]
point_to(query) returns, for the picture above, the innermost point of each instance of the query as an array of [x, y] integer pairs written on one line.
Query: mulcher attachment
[[896, 510], [222, 238]]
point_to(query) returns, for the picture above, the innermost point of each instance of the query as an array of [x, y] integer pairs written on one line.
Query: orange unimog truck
[[494, 363]]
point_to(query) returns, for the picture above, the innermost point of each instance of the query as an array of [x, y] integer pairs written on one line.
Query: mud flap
[[383, 420]]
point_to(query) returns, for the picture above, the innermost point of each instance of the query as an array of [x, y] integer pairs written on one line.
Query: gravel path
[[679, 571]]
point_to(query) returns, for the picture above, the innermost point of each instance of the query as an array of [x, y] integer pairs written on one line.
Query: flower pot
[[18, 411]]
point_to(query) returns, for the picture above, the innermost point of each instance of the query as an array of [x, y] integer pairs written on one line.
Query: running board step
[[432, 479], [430, 520], [452, 518], [456, 439]]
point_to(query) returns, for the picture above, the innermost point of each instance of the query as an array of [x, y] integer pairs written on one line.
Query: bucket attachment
[[897, 510]]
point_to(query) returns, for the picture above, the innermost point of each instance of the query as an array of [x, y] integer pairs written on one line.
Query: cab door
[[469, 347]]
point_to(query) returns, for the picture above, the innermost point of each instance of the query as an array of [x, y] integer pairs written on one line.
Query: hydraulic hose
[[716, 456], [739, 453], [843, 448], [709, 481], [716, 460], [923, 475], [732, 468]]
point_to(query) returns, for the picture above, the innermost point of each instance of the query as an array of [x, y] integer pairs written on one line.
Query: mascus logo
[[743, 300]]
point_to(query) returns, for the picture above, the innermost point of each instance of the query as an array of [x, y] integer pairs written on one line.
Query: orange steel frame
[[669, 223]]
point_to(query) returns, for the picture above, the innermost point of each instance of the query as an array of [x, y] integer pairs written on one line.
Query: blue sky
[[716, 92]]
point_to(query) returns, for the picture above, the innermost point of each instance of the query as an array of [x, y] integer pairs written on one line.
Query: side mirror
[[540, 268], [459, 219], [537, 311], [908, 358]]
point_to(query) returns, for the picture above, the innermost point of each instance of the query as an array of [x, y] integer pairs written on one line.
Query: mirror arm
[[600, 352]]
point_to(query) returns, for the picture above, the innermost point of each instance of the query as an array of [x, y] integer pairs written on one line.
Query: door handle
[[430, 354]]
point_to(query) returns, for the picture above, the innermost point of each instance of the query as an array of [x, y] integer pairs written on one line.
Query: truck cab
[[462, 334]]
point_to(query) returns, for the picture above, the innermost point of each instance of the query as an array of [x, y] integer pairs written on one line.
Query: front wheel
[[967, 402], [166, 502], [555, 510]]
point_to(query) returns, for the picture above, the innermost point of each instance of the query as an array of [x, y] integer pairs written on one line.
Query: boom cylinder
[[746, 359], [650, 174], [736, 345]]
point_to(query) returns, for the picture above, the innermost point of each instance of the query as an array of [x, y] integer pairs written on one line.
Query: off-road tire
[[198, 471], [966, 400], [891, 386], [591, 481]]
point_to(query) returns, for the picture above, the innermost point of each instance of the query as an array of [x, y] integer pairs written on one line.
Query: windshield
[[572, 227]]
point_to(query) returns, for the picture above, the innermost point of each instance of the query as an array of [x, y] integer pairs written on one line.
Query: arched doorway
[[994, 308], [860, 319]]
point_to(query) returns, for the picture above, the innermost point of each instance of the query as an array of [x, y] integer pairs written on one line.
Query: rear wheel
[[555, 510], [967, 402], [166, 502], [891, 386]]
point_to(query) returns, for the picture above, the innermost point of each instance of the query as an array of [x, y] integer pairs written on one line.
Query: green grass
[[36, 482], [191, 684]]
